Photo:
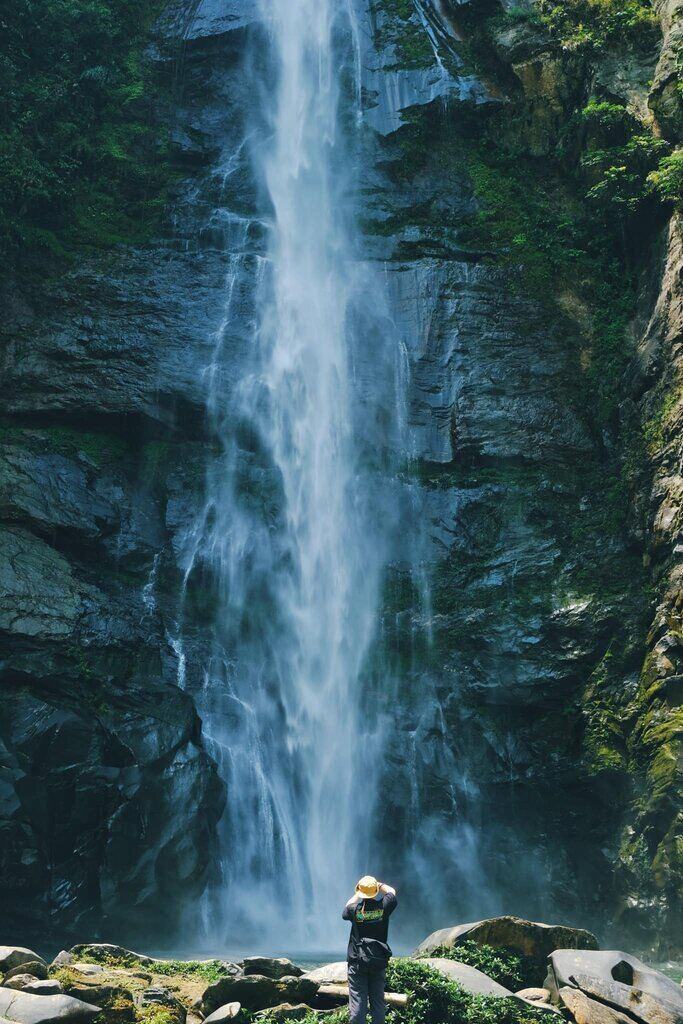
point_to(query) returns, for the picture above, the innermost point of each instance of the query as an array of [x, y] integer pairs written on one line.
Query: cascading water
[[286, 536]]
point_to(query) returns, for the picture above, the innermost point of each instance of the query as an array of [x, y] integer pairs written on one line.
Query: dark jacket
[[369, 920]]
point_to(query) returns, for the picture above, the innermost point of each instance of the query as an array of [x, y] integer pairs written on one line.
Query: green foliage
[[436, 1000], [667, 179], [79, 160], [594, 24], [340, 1016], [535, 222], [655, 427], [508, 968], [155, 1015], [207, 970], [533, 218], [621, 154], [604, 744], [399, 26]]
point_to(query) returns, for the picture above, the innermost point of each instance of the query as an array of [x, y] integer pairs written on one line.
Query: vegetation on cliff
[[81, 157]]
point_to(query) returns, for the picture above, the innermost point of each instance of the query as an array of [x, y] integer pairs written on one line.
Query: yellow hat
[[368, 887]]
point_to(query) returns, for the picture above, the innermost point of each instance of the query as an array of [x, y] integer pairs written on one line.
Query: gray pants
[[364, 985]]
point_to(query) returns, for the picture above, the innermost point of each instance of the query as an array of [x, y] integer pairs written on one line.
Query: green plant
[[593, 24], [508, 968], [81, 160], [436, 1000], [399, 26], [207, 970], [155, 1015], [655, 427], [667, 179]]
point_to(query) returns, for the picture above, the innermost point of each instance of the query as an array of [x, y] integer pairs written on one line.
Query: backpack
[[372, 954]]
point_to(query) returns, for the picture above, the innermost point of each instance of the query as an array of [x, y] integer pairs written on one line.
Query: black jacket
[[369, 920]]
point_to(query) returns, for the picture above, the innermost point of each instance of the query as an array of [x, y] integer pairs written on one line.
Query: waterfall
[[286, 542]]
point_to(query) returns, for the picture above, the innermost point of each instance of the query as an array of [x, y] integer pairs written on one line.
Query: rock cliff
[[531, 614]]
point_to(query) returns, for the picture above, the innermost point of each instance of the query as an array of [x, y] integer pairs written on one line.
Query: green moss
[[398, 25], [65, 976], [155, 1015], [656, 426], [534, 219], [101, 448], [154, 458], [605, 745], [660, 735]]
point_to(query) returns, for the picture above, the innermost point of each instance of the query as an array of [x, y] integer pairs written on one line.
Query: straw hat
[[368, 887]]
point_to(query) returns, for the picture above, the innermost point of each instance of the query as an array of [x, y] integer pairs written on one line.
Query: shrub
[[593, 24], [436, 1000], [667, 179], [508, 968], [208, 970]]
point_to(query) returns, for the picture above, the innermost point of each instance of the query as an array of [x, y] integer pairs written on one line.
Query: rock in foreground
[[531, 938], [589, 1011], [473, 981], [224, 1013], [257, 992], [336, 973], [25, 1008], [12, 957], [271, 967], [285, 1011], [607, 966]]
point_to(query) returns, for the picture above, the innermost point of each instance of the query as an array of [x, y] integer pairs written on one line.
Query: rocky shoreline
[[565, 973]]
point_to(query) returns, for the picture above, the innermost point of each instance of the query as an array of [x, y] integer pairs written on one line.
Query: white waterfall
[[286, 530]]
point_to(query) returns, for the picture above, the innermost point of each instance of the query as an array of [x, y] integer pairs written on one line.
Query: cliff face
[[530, 619], [545, 404]]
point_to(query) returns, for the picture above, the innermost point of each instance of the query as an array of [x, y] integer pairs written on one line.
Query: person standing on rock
[[368, 910]]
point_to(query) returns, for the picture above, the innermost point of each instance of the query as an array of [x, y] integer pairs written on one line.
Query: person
[[368, 910]]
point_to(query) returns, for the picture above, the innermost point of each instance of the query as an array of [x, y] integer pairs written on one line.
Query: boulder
[[19, 982], [37, 968], [285, 1011], [534, 995], [645, 1007], [224, 1013], [26, 1008], [532, 938], [609, 966], [589, 1011], [271, 967], [90, 970], [330, 974], [109, 995], [473, 981], [257, 992], [477, 983], [15, 956], [107, 951], [62, 959], [49, 987]]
